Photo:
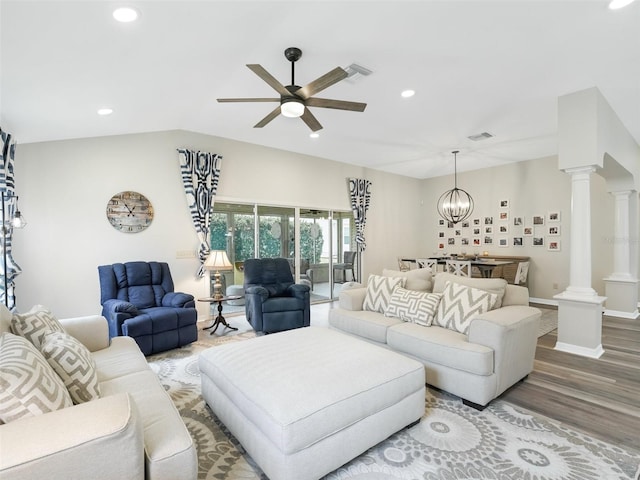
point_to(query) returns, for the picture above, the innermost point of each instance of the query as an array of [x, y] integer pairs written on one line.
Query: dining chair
[[461, 268], [404, 265], [521, 274], [430, 263]]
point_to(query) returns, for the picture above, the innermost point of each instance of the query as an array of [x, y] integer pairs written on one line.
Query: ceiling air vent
[[355, 72], [480, 136]]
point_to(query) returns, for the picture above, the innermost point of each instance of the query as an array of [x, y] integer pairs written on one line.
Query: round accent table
[[219, 319]]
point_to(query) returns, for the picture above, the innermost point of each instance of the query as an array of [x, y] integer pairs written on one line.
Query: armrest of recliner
[[178, 300], [120, 306], [258, 291], [298, 290]]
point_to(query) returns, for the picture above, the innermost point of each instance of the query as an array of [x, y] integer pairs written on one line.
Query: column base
[[622, 297], [580, 324]]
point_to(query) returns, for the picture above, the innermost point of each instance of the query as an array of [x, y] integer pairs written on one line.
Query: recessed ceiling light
[[125, 14], [314, 135], [616, 4], [408, 93], [105, 111]]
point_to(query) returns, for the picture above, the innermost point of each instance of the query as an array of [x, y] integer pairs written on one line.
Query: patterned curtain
[[9, 269], [200, 172], [360, 192]]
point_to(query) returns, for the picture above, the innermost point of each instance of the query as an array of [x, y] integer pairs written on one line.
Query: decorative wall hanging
[[129, 212], [200, 173]]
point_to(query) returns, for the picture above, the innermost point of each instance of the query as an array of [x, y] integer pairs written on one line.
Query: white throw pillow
[[418, 279], [28, 385], [35, 324], [74, 364], [379, 290], [460, 304], [413, 306]]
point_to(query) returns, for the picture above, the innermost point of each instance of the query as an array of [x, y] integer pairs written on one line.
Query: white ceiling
[[494, 66]]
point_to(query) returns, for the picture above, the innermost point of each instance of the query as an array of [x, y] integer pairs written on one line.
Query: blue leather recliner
[[138, 300], [274, 303]]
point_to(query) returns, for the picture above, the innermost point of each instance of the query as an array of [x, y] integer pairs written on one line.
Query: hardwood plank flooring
[[600, 397]]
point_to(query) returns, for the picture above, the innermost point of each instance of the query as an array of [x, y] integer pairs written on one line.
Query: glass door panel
[[276, 233], [315, 251]]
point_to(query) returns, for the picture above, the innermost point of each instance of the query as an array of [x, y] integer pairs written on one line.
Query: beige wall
[[64, 187]]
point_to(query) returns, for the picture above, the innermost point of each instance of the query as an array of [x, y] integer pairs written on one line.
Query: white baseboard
[[578, 350], [543, 301], [617, 313]]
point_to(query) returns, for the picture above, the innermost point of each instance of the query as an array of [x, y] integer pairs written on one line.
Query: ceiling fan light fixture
[[292, 107]]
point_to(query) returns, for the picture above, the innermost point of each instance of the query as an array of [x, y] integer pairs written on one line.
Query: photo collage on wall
[[502, 230]]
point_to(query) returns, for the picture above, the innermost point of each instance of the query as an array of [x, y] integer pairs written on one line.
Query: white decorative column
[[579, 306], [621, 285]]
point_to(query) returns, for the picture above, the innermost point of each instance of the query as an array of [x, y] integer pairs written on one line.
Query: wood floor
[[600, 397]]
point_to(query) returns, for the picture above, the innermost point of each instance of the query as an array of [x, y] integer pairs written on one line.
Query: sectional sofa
[[495, 351], [131, 431]]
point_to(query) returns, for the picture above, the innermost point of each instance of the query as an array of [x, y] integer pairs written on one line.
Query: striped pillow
[[28, 385], [74, 365], [461, 304], [379, 290], [413, 306], [35, 324]]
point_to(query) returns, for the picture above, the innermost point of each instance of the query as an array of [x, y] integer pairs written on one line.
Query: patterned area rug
[[451, 442]]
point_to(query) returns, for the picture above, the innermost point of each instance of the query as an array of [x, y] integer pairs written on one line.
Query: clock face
[[129, 212]]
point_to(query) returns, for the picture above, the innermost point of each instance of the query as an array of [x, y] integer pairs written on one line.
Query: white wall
[[534, 187], [64, 187]]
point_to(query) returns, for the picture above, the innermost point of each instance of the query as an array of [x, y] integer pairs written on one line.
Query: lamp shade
[[292, 107], [217, 260]]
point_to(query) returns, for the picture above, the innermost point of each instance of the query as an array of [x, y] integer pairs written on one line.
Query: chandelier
[[455, 205]]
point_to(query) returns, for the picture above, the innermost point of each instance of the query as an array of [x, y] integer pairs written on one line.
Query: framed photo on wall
[[553, 245], [538, 241], [554, 230], [503, 242], [553, 216], [504, 203], [538, 220], [503, 216], [517, 242], [527, 231]]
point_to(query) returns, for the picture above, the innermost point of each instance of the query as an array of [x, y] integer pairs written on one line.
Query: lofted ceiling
[[476, 66]]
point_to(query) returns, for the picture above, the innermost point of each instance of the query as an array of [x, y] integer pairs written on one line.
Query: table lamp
[[216, 260]]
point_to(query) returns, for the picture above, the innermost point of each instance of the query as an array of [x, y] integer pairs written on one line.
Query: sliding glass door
[[312, 239]]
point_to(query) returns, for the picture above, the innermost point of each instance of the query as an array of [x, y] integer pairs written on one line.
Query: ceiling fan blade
[[270, 79], [227, 100], [337, 104], [274, 113], [311, 121], [320, 83]]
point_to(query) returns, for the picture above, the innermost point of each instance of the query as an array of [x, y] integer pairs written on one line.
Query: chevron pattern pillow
[[413, 306], [461, 304], [74, 365], [379, 290], [28, 385], [35, 324]]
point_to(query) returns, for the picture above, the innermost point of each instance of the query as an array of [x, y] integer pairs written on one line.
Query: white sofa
[[497, 351], [133, 431]]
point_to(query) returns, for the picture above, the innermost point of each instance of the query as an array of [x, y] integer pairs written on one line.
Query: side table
[[219, 318]]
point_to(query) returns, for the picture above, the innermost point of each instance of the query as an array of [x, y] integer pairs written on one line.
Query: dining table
[[485, 265]]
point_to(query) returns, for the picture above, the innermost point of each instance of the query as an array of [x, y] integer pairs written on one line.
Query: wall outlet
[[185, 254], [555, 286]]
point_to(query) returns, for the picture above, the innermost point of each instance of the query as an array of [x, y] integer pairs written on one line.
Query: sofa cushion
[[379, 290], [73, 363], [35, 324], [491, 285], [413, 306], [461, 304], [441, 346], [419, 279], [28, 385], [365, 324]]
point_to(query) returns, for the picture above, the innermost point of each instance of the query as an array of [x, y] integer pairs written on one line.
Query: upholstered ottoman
[[235, 290], [306, 401]]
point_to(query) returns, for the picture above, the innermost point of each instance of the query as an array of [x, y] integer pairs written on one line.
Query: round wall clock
[[129, 212]]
